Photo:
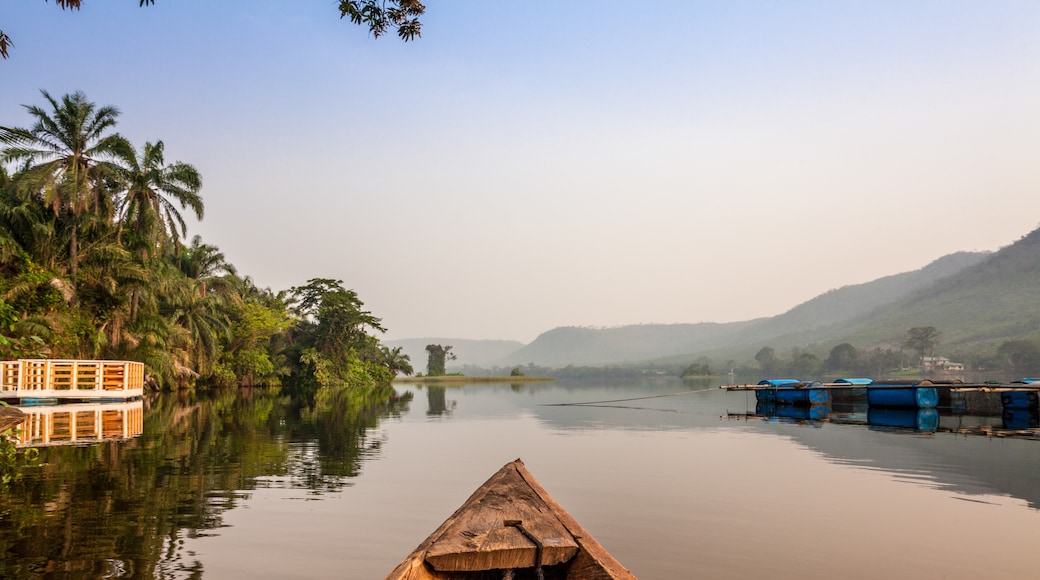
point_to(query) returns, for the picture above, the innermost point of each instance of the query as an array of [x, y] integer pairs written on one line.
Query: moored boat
[[510, 528]]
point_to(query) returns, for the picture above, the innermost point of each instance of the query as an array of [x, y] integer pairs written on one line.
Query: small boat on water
[[510, 528]]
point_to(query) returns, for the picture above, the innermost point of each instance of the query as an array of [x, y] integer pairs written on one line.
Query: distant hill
[[976, 308], [848, 302], [628, 344], [625, 344], [976, 299], [481, 353]]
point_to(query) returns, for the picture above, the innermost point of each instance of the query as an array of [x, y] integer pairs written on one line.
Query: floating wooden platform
[[1021, 394], [510, 528], [71, 379]]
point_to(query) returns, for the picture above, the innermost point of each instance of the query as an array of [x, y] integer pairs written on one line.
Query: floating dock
[[29, 380], [922, 394]]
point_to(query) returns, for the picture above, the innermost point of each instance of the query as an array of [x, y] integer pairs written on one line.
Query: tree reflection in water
[[437, 401], [122, 509]]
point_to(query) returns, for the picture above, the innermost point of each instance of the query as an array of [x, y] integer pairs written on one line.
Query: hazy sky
[[526, 165]]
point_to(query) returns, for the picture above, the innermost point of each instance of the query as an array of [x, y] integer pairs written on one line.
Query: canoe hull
[[480, 536]]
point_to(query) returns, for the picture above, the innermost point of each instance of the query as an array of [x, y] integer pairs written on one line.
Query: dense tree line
[[95, 264], [1021, 357]]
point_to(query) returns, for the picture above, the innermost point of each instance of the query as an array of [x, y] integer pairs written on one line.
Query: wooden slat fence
[[47, 378]]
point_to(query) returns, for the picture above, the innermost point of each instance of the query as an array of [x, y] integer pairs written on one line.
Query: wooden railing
[[80, 423], [71, 379]]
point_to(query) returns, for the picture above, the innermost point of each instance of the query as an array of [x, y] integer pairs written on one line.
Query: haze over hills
[[468, 351], [976, 299], [976, 308], [629, 344]]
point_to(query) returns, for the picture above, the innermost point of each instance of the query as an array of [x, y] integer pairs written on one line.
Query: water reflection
[[1020, 419], [656, 470], [437, 401], [1009, 423], [86, 423], [122, 507]]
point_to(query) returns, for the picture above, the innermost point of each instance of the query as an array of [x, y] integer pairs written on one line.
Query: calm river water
[[676, 486]]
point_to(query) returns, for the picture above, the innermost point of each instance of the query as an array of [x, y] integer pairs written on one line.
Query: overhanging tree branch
[[379, 15]]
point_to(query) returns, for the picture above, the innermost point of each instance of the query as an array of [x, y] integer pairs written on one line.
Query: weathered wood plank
[[476, 536], [593, 561]]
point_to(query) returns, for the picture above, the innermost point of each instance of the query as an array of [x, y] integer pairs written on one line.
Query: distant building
[[939, 363]]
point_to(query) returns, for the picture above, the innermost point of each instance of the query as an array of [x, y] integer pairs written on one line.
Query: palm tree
[[66, 160], [395, 361], [206, 266], [152, 186], [205, 320]]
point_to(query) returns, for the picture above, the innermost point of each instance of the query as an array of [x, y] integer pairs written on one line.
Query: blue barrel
[[765, 396], [792, 396], [859, 381], [1019, 400], [908, 397], [917, 419], [801, 412], [1020, 419], [769, 395], [802, 394], [926, 397], [766, 408]]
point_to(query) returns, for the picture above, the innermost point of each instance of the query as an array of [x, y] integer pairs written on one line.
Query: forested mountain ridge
[[629, 344], [976, 300], [848, 302], [976, 309]]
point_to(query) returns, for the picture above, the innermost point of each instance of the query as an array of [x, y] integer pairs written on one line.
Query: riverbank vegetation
[[96, 264], [916, 356]]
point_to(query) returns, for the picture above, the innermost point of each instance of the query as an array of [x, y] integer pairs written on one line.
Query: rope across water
[[590, 403]]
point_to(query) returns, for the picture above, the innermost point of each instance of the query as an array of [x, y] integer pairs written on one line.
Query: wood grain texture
[[475, 538]]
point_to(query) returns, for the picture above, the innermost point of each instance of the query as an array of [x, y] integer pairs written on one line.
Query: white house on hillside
[[939, 363]]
